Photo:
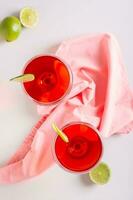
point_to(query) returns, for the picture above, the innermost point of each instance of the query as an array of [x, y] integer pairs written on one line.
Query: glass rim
[[66, 92], [61, 165]]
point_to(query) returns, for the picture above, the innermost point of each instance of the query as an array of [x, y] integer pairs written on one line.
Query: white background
[[62, 19]]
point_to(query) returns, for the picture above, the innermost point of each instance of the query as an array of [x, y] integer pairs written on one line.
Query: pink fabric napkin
[[100, 95]]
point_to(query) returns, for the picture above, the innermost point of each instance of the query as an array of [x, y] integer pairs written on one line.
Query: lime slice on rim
[[28, 17], [23, 78], [100, 174], [60, 133]]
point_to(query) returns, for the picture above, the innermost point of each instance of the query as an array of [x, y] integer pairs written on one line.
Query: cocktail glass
[[82, 152], [53, 79]]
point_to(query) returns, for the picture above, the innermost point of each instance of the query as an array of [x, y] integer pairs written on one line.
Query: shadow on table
[[30, 106], [2, 41], [86, 180], [52, 49], [16, 13]]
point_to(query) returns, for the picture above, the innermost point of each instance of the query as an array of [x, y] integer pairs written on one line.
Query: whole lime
[[10, 28]]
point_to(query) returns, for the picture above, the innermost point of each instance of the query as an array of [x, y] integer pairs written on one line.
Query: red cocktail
[[83, 150], [52, 81]]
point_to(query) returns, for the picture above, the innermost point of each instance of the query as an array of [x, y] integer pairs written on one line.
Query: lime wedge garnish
[[100, 174], [28, 17], [60, 133], [23, 78]]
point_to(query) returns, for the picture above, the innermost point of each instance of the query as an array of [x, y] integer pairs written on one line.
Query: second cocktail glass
[[82, 152]]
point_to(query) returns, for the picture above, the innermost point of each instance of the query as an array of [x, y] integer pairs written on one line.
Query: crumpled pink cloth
[[100, 95]]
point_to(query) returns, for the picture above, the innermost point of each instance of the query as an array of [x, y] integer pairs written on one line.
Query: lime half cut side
[[60, 133], [29, 17], [100, 174]]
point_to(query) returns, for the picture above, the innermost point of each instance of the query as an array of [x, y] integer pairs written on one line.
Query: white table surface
[[63, 19]]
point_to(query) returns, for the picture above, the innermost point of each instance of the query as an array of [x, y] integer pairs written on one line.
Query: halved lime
[[23, 78], [100, 174], [29, 17]]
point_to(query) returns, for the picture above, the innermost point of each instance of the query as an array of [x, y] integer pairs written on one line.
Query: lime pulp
[[28, 17], [100, 174]]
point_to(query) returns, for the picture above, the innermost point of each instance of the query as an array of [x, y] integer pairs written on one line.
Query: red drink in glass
[[83, 150], [52, 82]]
